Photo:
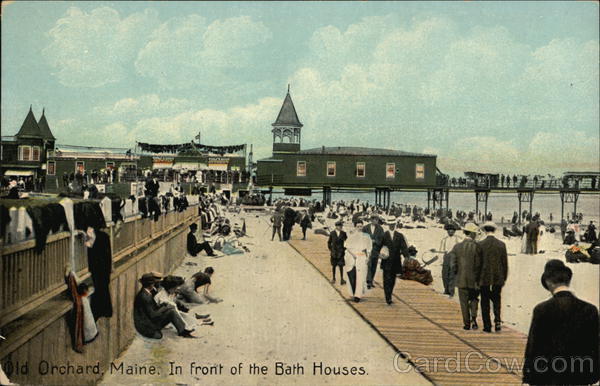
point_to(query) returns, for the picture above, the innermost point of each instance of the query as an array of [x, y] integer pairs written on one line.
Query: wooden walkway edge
[[425, 327]]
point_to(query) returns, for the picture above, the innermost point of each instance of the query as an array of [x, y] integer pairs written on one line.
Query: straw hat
[[471, 227]]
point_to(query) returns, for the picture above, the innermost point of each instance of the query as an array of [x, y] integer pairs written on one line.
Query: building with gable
[[329, 167]]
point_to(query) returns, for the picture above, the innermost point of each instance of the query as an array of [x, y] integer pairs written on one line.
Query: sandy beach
[[276, 308]]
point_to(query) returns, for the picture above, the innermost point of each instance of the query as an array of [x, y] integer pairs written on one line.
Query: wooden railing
[[27, 279]]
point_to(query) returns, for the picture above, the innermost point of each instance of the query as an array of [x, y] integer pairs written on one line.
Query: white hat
[[471, 227]]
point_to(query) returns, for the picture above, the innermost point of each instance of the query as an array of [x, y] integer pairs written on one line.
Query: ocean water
[[500, 204]]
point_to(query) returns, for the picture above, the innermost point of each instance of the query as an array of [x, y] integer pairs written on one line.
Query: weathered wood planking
[[423, 324]]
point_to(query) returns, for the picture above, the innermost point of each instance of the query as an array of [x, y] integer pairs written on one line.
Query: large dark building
[[338, 167], [25, 154]]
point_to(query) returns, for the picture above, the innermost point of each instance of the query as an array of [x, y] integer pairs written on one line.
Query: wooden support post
[[428, 199], [568, 196], [525, 195]]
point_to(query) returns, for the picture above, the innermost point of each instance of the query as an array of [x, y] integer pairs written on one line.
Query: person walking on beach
[[392, 266], [305, 223], [356, 259], [563, 228], [465, 260], [562, 345], [446, 245], [276, 219], [494, 271], [375, 231], [336, 247], [289, 217], [531, 231]]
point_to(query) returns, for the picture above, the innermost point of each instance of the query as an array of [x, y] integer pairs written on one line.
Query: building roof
[[30, 127], [269, 159], [352, 150], [287, 115], [582, 174], [44, 128]]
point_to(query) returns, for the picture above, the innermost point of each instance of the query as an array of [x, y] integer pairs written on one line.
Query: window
[[390, 170], [301, 169], [35, 153], [25, 153], [330, 168], [51, 168], [420, 171], [80, 166], [360, 169]]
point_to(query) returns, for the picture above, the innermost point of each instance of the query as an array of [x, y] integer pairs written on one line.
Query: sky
[[487, 86]]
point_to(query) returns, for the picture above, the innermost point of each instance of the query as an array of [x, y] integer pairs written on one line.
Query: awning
[[189, 166], [19, 173], [217, 167]]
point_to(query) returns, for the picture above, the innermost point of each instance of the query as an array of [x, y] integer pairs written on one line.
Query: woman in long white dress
[[358, 248]]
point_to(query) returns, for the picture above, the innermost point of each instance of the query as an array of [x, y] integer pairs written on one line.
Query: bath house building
[[328, 167]]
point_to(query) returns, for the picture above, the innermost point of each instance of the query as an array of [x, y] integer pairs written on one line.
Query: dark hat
[[554, 267], [340, 222], [449, 226], [412, 250], [148, 279]]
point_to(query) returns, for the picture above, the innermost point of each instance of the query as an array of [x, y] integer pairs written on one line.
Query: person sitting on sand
[[412, 269], [149, 318], [168, 295], [189, 290], [193, 247], [570, 238]]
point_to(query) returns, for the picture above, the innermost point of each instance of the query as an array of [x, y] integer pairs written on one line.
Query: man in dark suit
[[562, 346], [532, 230], [465, 262], [375, 231], [289, 218], [305, 223], [193, 247], [336, 246], [392, 266], [149, 318], [494, 271]]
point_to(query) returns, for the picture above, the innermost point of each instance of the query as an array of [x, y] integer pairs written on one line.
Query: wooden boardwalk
[[426, 327]]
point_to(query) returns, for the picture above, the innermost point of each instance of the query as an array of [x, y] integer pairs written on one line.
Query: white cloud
[[143, 106], [93, 49], [244, 124], [426, 84], [546, 152], [187, 52]]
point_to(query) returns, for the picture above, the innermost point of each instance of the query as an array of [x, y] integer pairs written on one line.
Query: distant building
[[25, 154], [342, 167]]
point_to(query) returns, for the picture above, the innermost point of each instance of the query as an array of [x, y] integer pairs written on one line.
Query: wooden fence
[[33, 301]]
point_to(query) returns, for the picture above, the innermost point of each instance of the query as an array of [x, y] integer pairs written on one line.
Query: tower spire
[[288, 88]]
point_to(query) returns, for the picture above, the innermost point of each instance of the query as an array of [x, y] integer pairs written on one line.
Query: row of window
[[79, 166], [360, 172], [29, 153]]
